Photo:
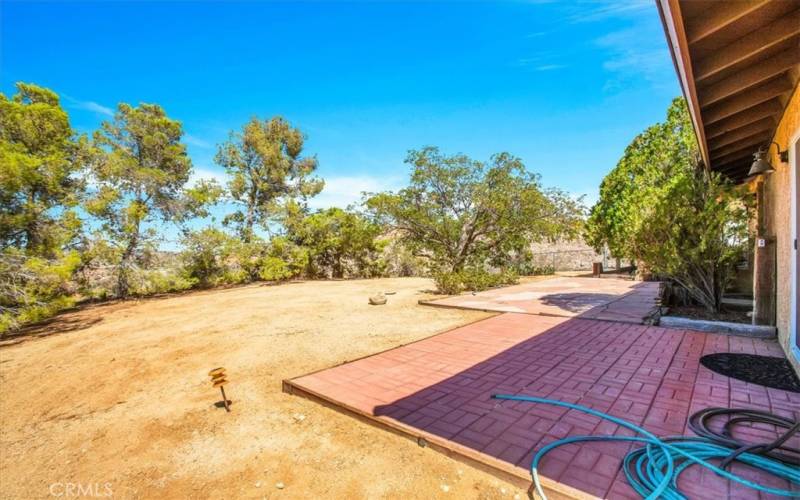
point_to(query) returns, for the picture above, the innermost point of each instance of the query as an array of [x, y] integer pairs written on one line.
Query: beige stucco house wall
[[778, 195]]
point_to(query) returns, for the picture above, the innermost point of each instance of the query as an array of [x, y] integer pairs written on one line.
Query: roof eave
[[672, 22]]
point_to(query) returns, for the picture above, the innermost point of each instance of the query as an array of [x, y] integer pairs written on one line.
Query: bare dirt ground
[[119, 395]]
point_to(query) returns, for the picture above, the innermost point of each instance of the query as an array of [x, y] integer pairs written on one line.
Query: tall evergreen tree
[[39, 163], [268, 172], [141, 169]]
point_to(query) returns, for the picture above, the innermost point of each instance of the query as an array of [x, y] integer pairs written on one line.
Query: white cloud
[[196, 141], [549, 67], [635, 52], [597, 10], [345, 190], [536, 34], [546, 60], [89, 106]]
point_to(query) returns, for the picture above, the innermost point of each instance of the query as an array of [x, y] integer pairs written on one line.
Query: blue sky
[[564, 85]]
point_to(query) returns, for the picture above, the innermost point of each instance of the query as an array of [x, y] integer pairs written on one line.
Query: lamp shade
[[760, 164]]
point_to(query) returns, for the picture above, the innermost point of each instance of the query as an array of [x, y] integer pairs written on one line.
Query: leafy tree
[[460, 212], [660, 153], [141, 169], [40, 159], [39, 163], [267, 171], [660, 207], [338, 240], [695, 232]]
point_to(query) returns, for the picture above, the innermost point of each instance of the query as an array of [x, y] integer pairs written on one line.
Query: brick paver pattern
[[648, 375]]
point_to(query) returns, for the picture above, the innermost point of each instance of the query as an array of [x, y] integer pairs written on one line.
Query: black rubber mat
[[762, 370]]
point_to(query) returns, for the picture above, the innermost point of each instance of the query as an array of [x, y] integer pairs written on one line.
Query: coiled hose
[[653, 470], [700, 423]]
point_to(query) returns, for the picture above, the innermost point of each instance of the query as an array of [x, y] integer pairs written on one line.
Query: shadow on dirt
[[53, 326]]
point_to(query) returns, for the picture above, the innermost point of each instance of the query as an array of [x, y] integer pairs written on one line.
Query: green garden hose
[[653, 470]]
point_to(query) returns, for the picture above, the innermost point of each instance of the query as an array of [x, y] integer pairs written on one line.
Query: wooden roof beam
[[749, 45], [741, 155], [746, 143], [733, 105], [735, 166], [761, 125], [723, 15], [749, 77], [736, 170], [738, 174], [770, 108]]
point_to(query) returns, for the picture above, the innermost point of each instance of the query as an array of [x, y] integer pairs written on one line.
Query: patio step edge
[[724, 327]]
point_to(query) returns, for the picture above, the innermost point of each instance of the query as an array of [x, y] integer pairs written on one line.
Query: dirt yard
[[117, 397]]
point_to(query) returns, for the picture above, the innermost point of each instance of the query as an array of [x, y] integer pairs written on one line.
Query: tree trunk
[[249, 222], [123, 279], [338, 272], [32, 235], [32, 239]]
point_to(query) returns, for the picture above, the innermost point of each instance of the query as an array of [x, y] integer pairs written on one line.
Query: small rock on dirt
[[378, 299], [280, 485]]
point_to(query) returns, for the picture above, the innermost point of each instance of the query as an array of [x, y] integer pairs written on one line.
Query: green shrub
[[543, 270], [33, 288], [477, 280], [509, 277], [448, 282], [155, 281], [339, 244], [212, 257], [274, 269], [245, 258], [295, 258], [474, 279]]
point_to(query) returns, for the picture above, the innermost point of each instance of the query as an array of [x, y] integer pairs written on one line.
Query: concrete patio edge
[[723, 327]]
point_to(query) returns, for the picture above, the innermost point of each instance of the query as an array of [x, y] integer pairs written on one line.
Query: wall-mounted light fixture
[[761, 164]]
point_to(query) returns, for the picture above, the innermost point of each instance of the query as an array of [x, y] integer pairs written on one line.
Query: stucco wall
[[778, 193]]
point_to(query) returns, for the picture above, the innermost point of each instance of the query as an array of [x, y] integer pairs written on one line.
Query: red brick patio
[[440, 388], [610, 299]]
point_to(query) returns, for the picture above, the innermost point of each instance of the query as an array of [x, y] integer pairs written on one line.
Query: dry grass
[[119, 394]]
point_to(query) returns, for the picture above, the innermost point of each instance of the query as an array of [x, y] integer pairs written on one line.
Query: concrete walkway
[[607, 299]]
